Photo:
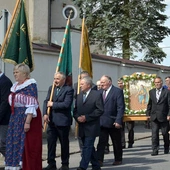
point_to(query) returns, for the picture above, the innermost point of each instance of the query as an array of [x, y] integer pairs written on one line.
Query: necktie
[[104, 95], [57, 91], [84, 97], [157, 94]]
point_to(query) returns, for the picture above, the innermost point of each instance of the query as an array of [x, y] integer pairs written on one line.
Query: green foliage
[[128, 25]]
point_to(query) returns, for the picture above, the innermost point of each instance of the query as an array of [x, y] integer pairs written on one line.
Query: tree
[[128, 25]]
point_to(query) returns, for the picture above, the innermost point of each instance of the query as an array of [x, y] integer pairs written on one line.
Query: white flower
[[125, 96], [138, 73]]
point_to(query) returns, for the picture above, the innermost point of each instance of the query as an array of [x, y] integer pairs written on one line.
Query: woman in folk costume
[[24, 138]]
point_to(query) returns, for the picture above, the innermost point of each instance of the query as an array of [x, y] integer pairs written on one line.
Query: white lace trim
[[32, 110], [16, 87], [14, 168]]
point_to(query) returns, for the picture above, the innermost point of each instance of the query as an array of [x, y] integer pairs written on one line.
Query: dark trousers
[[89, 154], [130, 127], [53, 134], [80, 144], [3, 134], [115, 135], [164, 126]]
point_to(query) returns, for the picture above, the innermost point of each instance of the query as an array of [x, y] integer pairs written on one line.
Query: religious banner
[[136, 94]]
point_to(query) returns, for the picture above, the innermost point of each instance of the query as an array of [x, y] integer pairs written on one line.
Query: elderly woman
[[24, 138]]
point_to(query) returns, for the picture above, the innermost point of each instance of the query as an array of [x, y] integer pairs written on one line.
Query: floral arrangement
[[135, 76]]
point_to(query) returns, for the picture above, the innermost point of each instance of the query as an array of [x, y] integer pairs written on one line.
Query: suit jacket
[[161, 109], [114, 107], [60, 112], [5, 110], [92, 108]]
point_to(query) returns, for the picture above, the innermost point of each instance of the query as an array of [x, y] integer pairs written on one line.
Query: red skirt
[[32, 156]]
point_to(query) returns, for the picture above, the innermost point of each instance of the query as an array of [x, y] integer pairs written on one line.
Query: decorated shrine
[[136, 94]]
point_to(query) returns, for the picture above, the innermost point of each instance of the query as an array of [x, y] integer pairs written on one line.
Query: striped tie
[[158, 94]]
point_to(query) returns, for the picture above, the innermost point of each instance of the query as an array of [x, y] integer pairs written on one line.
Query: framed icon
[[136, 92]]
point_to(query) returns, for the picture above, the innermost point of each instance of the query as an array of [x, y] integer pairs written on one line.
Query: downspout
[[49, 21], [5, 15]]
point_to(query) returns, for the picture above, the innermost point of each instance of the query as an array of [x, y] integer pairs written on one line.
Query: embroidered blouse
[[23, 100]]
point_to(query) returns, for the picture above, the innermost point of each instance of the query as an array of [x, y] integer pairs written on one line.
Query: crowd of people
[[98, 110]]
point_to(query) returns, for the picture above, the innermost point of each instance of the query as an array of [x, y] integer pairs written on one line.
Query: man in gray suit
[[158, 111]]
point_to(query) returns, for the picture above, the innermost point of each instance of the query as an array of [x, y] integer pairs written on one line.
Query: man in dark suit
[[59, 120], [5, 111], [158, 111], [82, 75], [94, 87], [111, 120], [87, 112]]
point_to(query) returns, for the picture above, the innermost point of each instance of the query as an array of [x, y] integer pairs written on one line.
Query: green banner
[[18, 48]]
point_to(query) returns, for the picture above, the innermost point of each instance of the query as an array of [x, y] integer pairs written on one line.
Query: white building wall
[[8, 4], [57, 18], [38, 19]]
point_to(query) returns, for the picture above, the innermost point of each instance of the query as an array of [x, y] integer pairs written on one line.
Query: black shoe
[[154, 153], [130, 145], [64, 167], [51, 167], [166, 151], [79, 168]]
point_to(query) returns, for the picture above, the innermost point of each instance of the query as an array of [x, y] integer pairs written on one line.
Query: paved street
[[137, 158]]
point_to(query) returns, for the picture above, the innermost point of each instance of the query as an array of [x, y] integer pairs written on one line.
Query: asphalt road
[[137, 158]]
